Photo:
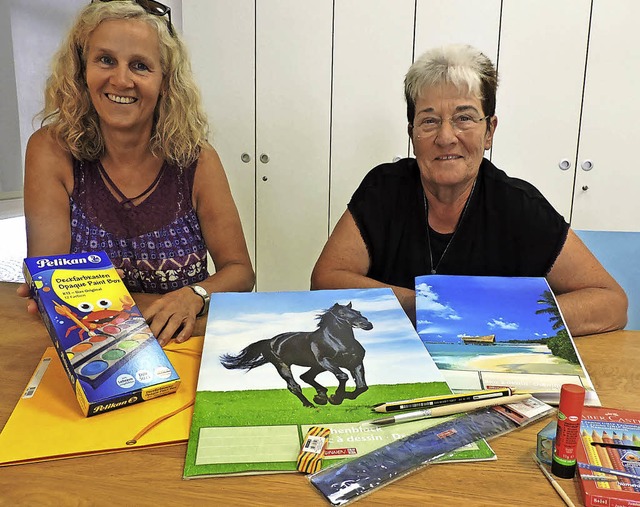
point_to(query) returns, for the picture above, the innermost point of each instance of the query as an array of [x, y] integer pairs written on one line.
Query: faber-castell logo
[[62, 261]]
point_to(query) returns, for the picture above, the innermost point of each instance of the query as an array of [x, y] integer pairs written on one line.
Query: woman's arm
[[344, 263], [590, 299], [222, 232], [48, 183]]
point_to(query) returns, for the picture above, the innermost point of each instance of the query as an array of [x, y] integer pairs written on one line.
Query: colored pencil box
[[108, 351]]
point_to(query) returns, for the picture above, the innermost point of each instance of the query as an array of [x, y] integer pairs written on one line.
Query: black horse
[[329, 348]]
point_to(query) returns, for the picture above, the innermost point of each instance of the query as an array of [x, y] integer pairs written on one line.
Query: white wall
[[38, 27], [30, 33], [10, 165]]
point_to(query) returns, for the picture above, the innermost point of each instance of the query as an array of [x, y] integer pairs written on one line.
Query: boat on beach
[[489, 339]]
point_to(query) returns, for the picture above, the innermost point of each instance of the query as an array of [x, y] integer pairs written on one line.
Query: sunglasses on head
[[152, 7]]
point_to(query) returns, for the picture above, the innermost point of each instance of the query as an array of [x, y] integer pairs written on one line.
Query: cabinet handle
[[587, 165], [245, 157], [585, 187], [564, 164], [264, 158], [264, 178]]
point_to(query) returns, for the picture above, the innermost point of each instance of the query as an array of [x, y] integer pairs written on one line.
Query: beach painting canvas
[[485, 331], [274, 364]]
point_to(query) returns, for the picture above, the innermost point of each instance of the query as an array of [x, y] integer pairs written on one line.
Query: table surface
[[154, 476]]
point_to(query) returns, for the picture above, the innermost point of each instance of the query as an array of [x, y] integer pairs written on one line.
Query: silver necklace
[[434, 269]]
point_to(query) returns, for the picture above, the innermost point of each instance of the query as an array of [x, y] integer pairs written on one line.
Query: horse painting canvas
[[331, 347]]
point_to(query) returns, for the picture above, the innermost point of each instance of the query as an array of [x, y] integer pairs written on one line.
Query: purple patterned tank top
[[158, 243]]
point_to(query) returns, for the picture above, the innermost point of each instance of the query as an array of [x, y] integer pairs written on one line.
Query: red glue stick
[[563, 463]]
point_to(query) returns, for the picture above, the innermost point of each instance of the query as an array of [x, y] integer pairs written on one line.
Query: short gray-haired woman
[[451, 211]]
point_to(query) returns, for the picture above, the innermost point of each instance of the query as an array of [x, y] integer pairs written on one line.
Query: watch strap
[[202, 292]]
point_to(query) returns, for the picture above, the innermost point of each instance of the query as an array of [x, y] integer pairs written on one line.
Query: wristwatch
[[202, 292]]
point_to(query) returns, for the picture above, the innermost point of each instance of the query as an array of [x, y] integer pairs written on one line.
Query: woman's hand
[[23, 292], [172, 315]]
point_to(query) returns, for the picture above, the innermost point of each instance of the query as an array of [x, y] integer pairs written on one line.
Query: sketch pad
[[263, 427]]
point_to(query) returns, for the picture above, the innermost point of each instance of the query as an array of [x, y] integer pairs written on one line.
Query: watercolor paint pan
[[85, 350], [124, 329], [105, 337], [112, 359]]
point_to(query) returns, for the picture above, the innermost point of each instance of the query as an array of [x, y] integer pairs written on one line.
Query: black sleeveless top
[[509, 228]]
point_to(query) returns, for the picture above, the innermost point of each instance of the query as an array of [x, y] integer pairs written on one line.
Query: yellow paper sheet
[[49, 425]]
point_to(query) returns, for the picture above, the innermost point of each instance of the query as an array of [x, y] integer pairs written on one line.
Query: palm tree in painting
[[560, 345], [551, 308]]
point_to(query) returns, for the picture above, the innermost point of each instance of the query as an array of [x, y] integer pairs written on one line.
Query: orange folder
[[48, 424]]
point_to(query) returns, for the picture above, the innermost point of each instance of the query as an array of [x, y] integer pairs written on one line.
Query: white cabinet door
[[293, 109], [541, 69], [372, 51], [221, 40], [606, 197], [265, 72], [474, 22]]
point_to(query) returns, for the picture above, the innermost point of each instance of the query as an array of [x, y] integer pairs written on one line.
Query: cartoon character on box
[[102, 317]]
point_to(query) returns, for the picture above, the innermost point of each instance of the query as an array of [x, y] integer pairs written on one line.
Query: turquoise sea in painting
[[453, 356]]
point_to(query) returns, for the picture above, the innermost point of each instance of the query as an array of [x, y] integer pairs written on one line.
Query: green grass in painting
[[280, 407]]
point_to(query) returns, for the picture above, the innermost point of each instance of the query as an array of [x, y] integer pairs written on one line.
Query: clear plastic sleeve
[[348, 481]]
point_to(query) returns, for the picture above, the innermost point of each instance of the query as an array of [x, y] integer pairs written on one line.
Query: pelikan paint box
[[106, 347]]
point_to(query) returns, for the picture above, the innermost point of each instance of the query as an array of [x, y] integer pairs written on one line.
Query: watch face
[[199, 290]]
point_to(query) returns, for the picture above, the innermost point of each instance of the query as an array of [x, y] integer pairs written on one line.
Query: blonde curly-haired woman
[[122, 164]]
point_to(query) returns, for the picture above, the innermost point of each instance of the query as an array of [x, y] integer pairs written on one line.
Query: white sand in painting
[[523, 363]]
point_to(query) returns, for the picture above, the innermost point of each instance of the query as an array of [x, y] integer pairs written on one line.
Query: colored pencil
[[605, 460], [627, 467], [592, 455], [553, 482], [455, 408], [445, 399], [600, 478], [627, 445], [616, 462], [605, 470]]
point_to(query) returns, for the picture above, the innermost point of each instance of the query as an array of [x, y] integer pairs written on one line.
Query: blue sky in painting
[[394, 353], [451, 306]]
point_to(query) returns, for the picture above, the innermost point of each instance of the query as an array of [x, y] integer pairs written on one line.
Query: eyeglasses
[[460, 122], [153, 7]]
